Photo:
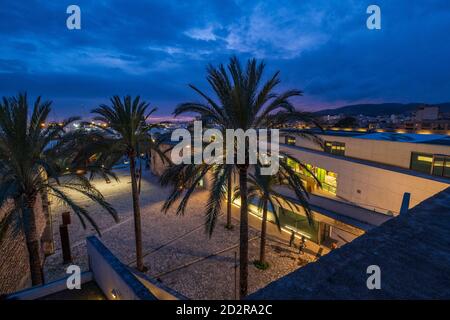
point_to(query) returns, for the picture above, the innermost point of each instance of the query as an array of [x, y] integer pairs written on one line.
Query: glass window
[[447, 167], [438, 165], [291, 220], [335, 147], [294, 165], [421, 162], [290, 140]]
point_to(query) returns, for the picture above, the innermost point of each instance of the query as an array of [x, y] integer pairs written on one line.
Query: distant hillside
[[379, 109]]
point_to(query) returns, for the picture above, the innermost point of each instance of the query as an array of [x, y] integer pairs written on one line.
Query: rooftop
[[412, 252], [439, 139]]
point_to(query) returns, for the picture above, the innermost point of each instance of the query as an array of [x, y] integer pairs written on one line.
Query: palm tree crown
[[31, 158], [126, 133], [242, 101]]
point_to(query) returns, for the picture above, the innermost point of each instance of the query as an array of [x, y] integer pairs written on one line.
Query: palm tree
[[31, 155], [126, 134], [242, 102], [262, 189]]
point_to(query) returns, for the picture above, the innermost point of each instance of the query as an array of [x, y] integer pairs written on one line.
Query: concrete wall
[[386, 152], [112, 277], [48, 288], [159, 290], [368, 186], [14, 265]]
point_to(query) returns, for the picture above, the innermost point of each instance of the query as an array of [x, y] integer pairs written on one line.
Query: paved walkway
[[176, 248]]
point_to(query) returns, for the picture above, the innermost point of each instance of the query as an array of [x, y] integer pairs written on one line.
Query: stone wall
[[14, 266]]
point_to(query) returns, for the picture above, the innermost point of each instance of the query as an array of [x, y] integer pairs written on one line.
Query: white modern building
[[364, 179], [365, 176]]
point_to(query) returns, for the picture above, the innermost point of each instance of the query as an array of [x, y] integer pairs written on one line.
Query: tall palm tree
[[241, 101], [126, 134], [31, 155], [262, 190], [229, 200]]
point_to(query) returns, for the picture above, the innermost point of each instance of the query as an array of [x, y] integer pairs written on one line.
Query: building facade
[[364, 178]]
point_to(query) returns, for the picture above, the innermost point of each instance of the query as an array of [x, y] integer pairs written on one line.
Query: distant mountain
[[374, 109]]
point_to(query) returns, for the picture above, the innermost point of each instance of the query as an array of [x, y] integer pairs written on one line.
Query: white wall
[[112, 277], [386, 152]]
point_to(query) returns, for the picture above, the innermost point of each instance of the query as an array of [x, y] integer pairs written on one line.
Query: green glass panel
[[438, 166], [421, 162], [447, 167], [299, 223]]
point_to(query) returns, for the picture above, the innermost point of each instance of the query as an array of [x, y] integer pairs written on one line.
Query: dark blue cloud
[[155, 48]]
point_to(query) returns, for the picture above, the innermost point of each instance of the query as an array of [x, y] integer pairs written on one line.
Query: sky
[[156, 48]]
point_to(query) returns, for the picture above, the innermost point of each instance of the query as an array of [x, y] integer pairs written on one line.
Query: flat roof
[[412, 252], [438, 139]]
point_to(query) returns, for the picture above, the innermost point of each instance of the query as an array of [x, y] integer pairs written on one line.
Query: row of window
[[435, 164], [333, 147], [290, 140], [328, 179]]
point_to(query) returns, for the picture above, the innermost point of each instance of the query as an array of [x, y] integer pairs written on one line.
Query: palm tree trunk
[[47, 235], [262, 246], [243, 234], [137, 215], [147, 161], [229, 202], [33, 243]]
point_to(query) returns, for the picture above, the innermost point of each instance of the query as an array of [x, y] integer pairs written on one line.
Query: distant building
[[426, 118], [427, 113]]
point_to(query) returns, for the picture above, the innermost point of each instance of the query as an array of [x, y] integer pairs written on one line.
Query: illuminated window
[[441, 166], [294, 165], [421, 162], [438, 165], [447, 167], [328, 179], [335, 147], [290, 140]]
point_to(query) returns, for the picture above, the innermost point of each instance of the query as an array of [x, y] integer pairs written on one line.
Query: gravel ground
[[194, 264]]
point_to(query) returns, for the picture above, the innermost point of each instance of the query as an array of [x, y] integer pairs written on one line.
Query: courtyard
[[177, 251]]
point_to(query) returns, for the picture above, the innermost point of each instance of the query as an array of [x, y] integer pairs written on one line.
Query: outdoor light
[[115, 294]]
